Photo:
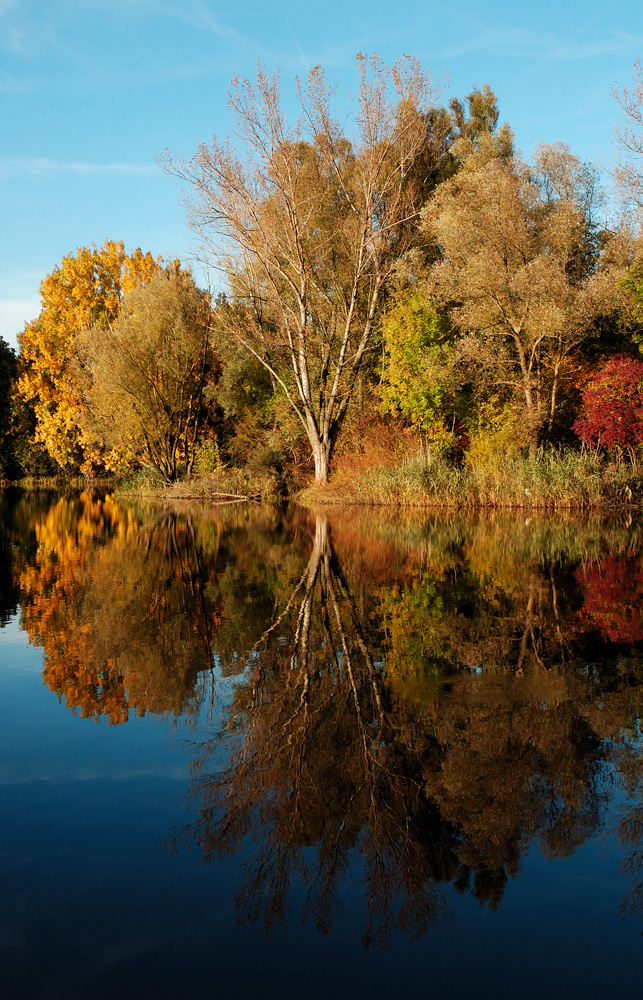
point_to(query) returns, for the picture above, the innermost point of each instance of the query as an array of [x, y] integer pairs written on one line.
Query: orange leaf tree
[[85, 289]]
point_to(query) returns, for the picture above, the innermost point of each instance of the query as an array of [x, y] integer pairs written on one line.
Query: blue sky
[[92, 90]]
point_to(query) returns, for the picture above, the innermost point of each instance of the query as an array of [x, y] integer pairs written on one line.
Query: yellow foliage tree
[[85, 289]]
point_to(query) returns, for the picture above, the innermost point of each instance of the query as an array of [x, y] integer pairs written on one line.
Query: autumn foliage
[[86, 289], [399, 267], [118, 609], [613, 405]]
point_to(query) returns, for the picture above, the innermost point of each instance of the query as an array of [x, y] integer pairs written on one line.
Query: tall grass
[[561, 480], [222, 486]]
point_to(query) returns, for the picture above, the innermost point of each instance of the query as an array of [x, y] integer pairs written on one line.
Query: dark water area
[[276, 753]]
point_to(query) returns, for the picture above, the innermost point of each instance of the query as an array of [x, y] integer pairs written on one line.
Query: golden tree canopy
[[144, 376], [85, 289]]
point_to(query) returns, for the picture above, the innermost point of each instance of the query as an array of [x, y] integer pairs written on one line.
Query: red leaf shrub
[[613, 405]]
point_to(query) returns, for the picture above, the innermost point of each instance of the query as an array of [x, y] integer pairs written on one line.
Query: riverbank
[[226, 485], [551, 480]]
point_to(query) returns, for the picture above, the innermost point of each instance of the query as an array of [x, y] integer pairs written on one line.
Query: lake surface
[[274, 754]]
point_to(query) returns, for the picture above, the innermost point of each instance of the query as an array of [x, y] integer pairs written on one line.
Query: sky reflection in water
[[407, 750]]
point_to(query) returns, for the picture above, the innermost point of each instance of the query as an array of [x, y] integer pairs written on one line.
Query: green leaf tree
[[418, 379]]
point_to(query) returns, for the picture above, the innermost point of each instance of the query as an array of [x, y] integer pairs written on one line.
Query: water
[[273, 753]]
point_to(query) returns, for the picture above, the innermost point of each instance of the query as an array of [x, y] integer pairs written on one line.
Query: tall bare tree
[[306, 221], [629, 135]]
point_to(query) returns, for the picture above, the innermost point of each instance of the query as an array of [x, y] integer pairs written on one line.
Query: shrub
[[613, 405]]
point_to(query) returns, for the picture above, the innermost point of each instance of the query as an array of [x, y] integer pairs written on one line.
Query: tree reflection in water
[[119, 609], [412, 704], [316, 772], [429, 731]]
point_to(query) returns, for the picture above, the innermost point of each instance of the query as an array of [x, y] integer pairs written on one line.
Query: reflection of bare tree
[[328, 767], [315, 766], [425, 724]]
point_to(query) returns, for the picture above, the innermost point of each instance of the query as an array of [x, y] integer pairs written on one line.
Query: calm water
[[272, 755]]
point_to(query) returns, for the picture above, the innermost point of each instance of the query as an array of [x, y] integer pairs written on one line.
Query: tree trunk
[[322, 443], [532, 420], [321, 454]]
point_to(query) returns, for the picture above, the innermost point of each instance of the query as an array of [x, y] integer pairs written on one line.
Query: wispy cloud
[[44, 167], [193, 13], [25, 37], [585, 44], [21, 774], [301, 52], [9, 84]]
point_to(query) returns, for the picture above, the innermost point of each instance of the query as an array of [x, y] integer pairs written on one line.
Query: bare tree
[[309, 224], [629, 135]]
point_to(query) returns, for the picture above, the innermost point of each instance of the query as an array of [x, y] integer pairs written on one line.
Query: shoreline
[[556, 481]]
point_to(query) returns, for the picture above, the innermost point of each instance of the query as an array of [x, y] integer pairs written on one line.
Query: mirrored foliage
[[409, 706]]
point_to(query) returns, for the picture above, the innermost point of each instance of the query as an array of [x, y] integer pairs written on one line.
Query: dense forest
[[408, 311]]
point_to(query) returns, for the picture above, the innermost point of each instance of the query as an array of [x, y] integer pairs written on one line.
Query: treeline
[[402, 289]]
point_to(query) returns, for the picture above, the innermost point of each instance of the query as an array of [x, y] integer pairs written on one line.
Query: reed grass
[[225, 485], [550, 480]]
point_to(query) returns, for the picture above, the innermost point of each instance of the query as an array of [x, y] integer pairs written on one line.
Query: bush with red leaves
[[613, 405]]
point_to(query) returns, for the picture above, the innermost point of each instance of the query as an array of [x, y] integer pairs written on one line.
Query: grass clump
[[549, 480], [144, 483], [555, 479], [226, 485], [413, 483]]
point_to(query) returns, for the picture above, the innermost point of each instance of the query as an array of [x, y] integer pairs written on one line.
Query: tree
[[418, 379], [613, 405], [85, 289], [145, 374], [309, 225], [521, 270], [633, 286], [461, 124], [629, 135]]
